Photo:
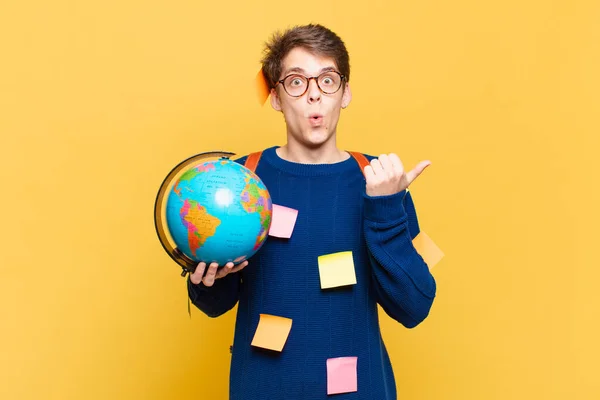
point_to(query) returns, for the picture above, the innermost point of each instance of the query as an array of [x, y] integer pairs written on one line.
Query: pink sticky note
[[283, 220], [341, 375]]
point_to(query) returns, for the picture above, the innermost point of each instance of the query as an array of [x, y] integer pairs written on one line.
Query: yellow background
[[99, 100]]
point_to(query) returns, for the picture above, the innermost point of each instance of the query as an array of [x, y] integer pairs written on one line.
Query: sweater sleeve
[[402, 281], [217, 299]]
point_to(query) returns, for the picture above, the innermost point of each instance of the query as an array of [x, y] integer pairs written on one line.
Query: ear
[[275, 101], [347, 96]]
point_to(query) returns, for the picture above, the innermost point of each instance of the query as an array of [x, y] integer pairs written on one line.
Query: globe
[[212, 210]]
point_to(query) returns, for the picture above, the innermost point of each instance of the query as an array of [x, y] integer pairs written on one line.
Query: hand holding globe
[[214, 272]]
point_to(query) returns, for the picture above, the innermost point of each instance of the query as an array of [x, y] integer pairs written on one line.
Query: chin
[[316, 138]]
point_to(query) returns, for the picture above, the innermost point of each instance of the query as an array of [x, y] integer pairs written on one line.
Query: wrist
[[384, 208]]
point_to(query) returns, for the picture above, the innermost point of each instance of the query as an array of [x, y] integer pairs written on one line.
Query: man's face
[[312, 118]]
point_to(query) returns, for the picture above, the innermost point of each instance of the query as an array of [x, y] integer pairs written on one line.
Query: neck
[[327, 153]]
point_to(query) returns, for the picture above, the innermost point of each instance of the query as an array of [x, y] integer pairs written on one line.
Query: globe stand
[[186, 263]]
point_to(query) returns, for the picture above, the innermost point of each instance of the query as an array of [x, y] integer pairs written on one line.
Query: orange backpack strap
[[252, 161], [360, 159]]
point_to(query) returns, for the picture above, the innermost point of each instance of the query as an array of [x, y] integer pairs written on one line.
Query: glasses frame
[[316, 78]]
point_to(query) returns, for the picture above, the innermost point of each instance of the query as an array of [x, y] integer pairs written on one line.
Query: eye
[[328, 80], [295, 81]]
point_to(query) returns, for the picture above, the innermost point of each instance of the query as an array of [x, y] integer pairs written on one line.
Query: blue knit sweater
[[334, 215]]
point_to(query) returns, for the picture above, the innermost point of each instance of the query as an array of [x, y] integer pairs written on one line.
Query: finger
[[224, 271], [412, 175], [209, 279], [196, 276], [369, 173], [377, 168], [239, 267], [397, 164], [386, 165]]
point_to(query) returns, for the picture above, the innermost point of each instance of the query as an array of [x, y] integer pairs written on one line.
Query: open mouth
[[315, 120]]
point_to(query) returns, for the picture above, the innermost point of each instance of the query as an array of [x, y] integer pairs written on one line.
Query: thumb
[[412, 175]]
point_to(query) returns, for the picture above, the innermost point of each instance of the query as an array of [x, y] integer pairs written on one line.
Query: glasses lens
[[295, 85], [330, 82]]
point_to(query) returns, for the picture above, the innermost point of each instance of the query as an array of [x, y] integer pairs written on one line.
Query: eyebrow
[[300, 70]]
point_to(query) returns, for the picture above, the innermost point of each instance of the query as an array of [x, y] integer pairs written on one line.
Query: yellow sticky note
[[427, 249], [337, 269], [272, 332]]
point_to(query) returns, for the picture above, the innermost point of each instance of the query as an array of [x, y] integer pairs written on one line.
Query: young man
[[341, 208]]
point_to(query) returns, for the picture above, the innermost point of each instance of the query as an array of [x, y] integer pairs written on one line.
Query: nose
[[314, 93]]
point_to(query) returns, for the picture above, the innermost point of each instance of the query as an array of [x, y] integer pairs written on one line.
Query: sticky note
[[427, 249], [262, 87], [283, 220], [336, 269], [272, 332], [341, 375]]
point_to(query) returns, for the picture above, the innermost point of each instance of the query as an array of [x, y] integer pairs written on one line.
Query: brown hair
[[314, 38]]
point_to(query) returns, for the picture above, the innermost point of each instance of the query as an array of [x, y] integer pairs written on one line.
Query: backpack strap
[[360, 159], [252, 161]]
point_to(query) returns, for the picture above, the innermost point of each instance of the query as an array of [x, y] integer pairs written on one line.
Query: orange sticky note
[[262, 87], [341, 375], [427, 249], [336, 269], [272, 332], [283, 221]]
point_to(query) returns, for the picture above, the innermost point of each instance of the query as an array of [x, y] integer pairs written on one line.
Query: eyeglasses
[[328, 82]]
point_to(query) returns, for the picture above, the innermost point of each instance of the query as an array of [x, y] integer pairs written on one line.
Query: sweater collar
[[270, 155]]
